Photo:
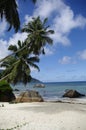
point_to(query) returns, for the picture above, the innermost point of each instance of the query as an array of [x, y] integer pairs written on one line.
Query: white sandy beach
[[43, 116]]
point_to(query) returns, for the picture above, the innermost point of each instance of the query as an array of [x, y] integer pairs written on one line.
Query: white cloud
[[3, 26], [3, 48], [65, 60], [48, 51], [82, 54], [27, 18], [13, 40], [62, 18], [18, 36], [33, 69], [44, 8], [68, 60]]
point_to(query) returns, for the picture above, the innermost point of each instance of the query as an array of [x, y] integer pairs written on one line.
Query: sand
[[43, 116]]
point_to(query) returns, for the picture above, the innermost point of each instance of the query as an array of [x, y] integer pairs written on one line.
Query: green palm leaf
[[9, 9], [18, 65], [12, 48], [38, 35]]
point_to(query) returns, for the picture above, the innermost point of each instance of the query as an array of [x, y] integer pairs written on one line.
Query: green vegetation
[[18, 65], [4, 86], [5, 89], [8, 8], [38, 35], [26, 54]]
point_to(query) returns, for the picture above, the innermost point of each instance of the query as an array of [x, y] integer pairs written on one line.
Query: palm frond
[[48, 40], [18, 67], [34, 66], [19, 44], [38, 35], [9, 10], [34, 1], [50, 32], [45, 20], [33, 59], [12, 48]]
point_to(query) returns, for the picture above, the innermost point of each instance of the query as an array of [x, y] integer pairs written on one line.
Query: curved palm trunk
[[14, 53], [7, 74], [4, 77]]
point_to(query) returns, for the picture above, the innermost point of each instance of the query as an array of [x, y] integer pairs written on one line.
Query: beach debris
[[2, 105], [39, 86], [29, 96], [73, 94], [17, 127]]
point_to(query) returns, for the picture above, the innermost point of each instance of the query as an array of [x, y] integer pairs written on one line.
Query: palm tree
[[17, 67], [38, 35], [8, 8]]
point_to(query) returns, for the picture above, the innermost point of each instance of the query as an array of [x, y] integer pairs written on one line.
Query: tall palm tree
[[38, 35], [17, 67], [8, 8]]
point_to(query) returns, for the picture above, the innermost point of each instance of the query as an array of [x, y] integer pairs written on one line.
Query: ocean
[[53, 91]]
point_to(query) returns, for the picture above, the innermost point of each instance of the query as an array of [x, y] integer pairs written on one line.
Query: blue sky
[[66, 59]]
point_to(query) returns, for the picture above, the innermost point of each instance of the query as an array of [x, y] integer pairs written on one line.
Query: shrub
[[5, 86]]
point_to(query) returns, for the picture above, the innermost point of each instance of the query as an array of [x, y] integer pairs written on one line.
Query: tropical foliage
[[8, 9], [17, 67], [38, 35], [25, 54], [4, 86]]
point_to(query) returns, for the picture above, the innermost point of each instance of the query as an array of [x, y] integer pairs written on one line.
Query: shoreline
[[58, 99], [69, 100], [43, 116]]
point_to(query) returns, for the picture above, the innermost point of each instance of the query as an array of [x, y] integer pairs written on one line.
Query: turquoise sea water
[[54, 90]]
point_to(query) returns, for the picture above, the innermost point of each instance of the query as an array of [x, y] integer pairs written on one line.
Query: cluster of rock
[[73, 94], [7, 96], [39, 86], [29, 96]]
